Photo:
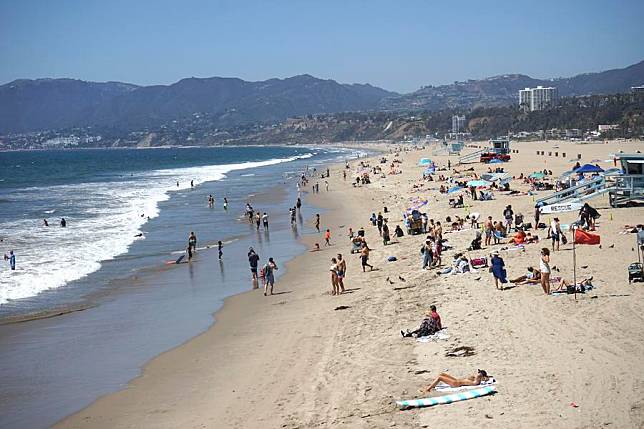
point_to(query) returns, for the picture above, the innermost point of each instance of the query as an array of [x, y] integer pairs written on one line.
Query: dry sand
[[292, 360]]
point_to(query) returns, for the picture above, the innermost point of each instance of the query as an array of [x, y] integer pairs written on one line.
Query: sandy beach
[[304, 358]]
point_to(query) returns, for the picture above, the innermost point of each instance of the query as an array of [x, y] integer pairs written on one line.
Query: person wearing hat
[[497, 268], [451, 381]]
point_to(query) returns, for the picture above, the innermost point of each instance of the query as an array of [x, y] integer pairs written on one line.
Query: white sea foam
[[103, 219]]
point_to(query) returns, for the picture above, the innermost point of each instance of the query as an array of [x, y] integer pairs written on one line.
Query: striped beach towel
[[446, 399]]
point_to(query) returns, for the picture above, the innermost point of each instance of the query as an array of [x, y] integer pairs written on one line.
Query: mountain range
[[44, 104]]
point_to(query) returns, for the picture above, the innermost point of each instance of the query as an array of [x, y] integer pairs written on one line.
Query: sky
[[399, 45]]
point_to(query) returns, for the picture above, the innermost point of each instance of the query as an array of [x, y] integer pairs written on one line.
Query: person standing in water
[[192, 242], [12, 260], [265, 220], [45, 223], [63, 223], [298, 204], [269, 275], [225, 203], [317, 222], [220, 246], [258, 220], [192, 183], [253, 259]]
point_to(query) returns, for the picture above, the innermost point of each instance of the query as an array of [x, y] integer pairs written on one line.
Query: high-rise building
[[458, 123], [538, 98]]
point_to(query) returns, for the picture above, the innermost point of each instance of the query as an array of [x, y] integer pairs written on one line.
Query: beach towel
[[442, 387], [583, 237], [440, 335], [446, 399]]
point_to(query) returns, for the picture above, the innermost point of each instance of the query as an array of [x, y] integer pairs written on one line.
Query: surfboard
[[179, 259], [446, 399]]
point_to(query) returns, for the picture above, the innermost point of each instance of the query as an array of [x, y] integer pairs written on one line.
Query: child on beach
[[327, 238]]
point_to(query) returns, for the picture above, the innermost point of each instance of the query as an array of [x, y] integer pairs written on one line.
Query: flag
[[583, 237]]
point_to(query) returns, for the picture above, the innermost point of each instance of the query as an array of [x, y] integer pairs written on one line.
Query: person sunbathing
[[581, 287], [451, 381], [532, 277]]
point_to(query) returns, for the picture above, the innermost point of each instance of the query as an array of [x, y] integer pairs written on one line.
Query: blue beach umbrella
[[478, 183]]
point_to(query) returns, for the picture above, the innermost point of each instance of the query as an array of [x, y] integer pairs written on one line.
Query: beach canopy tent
[[454, 189], [537, 175], [589, 168], [479, 183], [425, 161]]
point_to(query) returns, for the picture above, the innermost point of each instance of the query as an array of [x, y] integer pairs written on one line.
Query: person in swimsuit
[[317, 222], [364, 257], [63, 223], [334, 277], [532, 276], [258, 220], [342, 271], [220, 246], [489, 230], [544, 267], [192, 242], [327, 238], [451, 381], [11, 258], [225, 203]]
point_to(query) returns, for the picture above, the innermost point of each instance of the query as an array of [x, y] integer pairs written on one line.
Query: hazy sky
[[399, 44]]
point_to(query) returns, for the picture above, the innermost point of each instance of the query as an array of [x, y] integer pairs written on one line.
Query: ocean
[[128, 206]]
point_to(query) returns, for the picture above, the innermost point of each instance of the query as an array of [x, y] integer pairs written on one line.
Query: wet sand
[[303, 358]]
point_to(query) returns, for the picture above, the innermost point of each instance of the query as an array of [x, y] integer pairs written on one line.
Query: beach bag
[[564, 240], [479, 262]]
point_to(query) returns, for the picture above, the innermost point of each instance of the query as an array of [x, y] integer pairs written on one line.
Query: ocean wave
[[103, 218]]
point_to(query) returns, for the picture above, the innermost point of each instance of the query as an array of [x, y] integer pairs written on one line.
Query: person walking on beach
[[334, 277], [253, 259], [11, 258], [364, 257], [544, 267], [379, 221], [298, 204], [342, 271], [327, 238], [192, 242], [317, 222], [258, 220], [498, 270], [220, 246], [265, 220], [269, 275]]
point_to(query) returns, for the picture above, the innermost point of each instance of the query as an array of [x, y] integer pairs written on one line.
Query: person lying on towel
[[474, 380]]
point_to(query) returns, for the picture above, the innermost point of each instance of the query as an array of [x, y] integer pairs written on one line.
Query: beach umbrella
[[478, 183], [454, 189], [425, 161], [537, 175], [589, 168]]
